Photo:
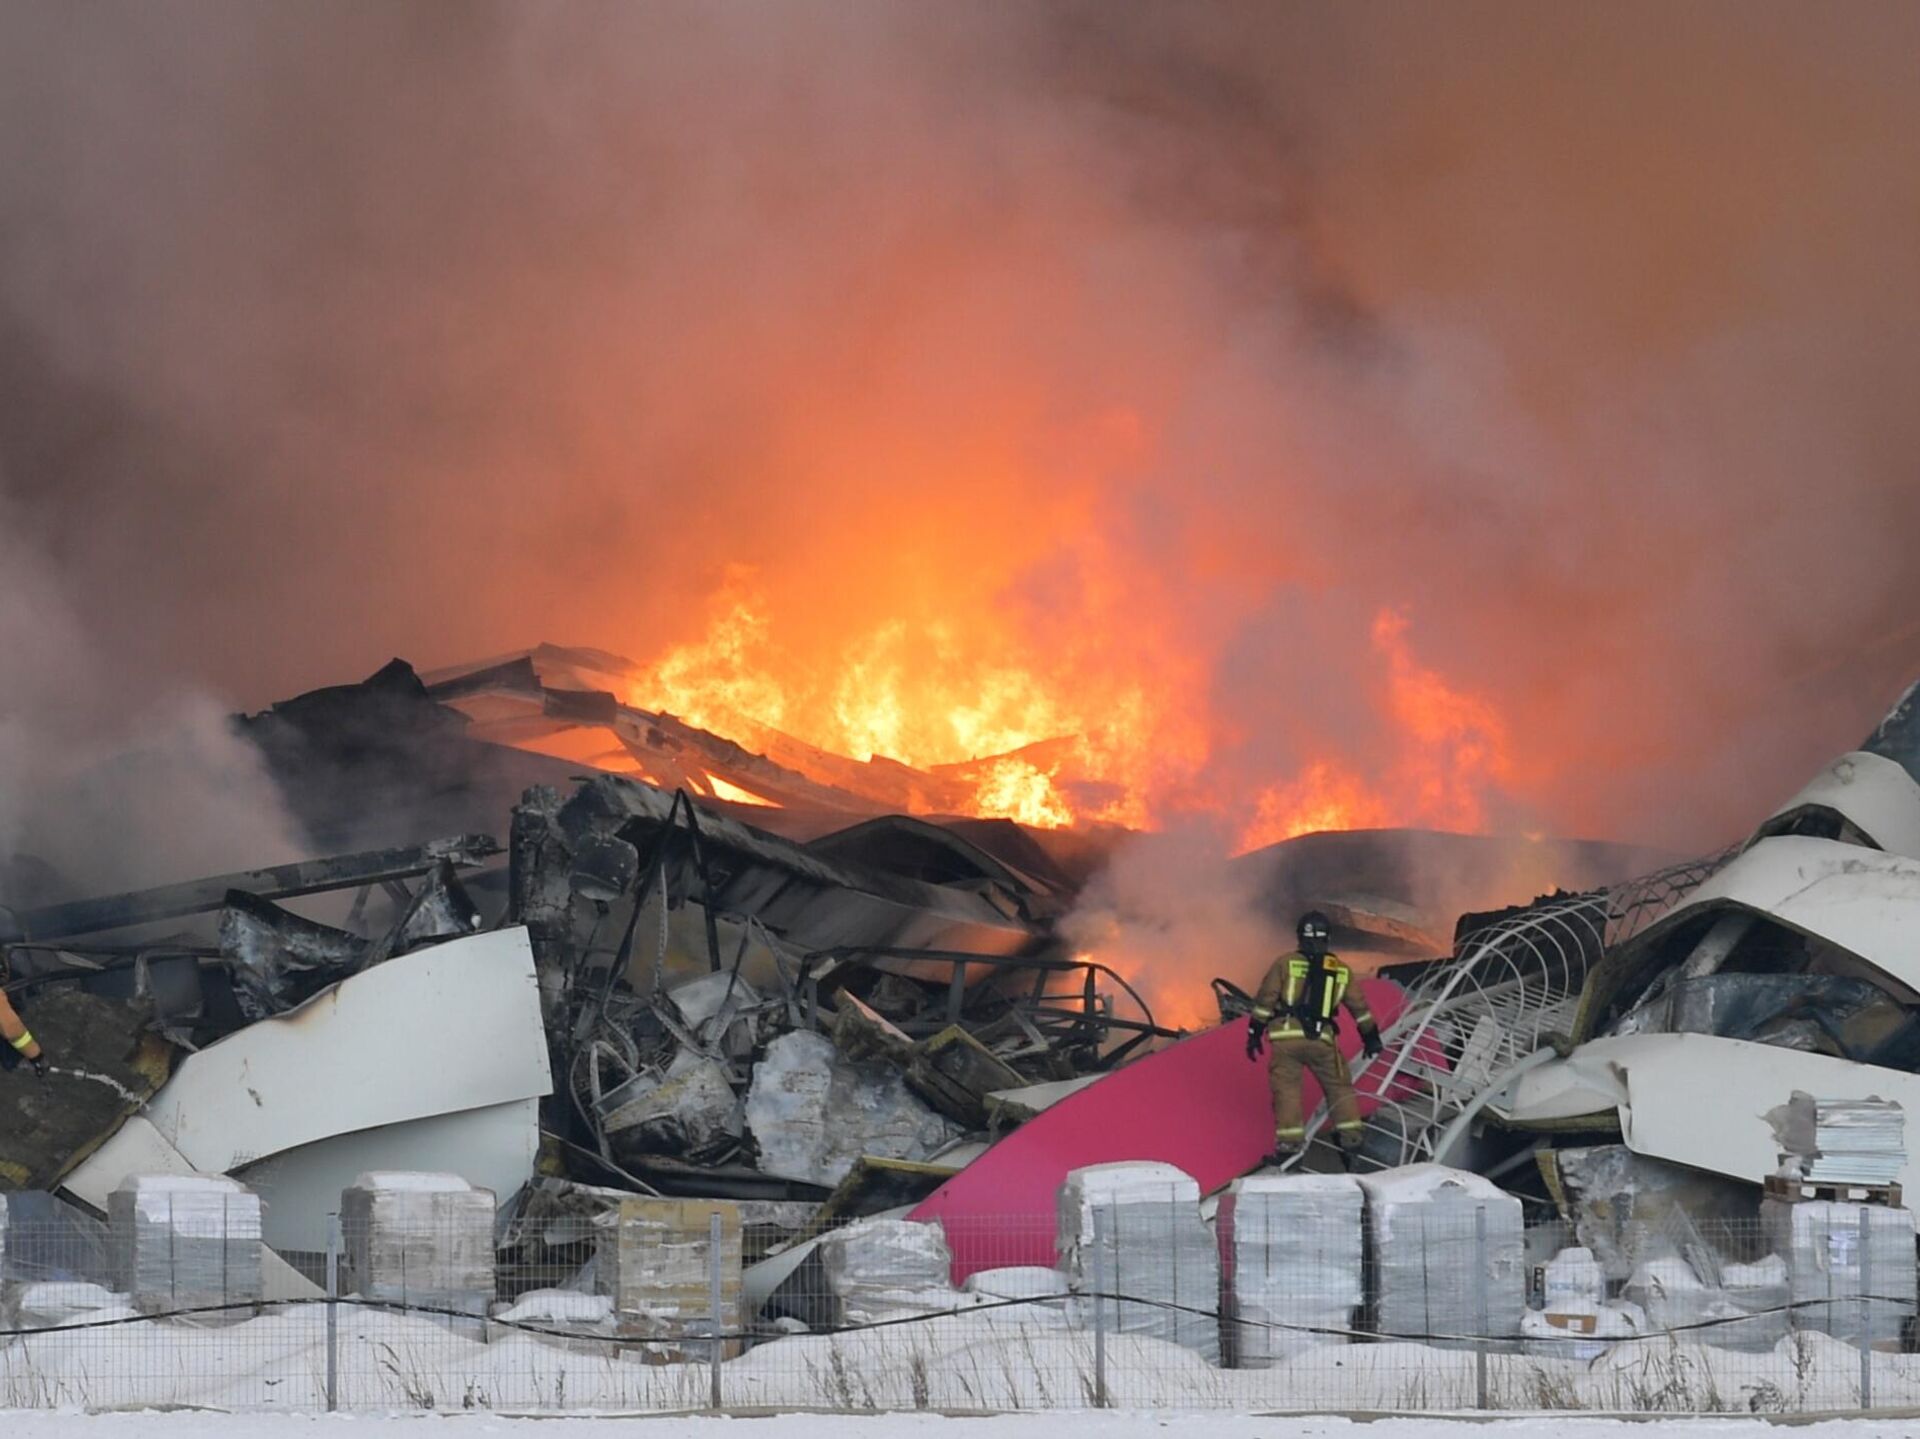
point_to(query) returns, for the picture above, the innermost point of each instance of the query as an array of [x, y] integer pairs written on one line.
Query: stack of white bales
[[880, 1269], [186, 1243], [1291, 1251], [419, 1239], [1834, 1251], [1156, 1252], [656, 1259], [1443, 1244]]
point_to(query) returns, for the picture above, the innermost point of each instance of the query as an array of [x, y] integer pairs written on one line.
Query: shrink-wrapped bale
[[1290, 1249], [1428, 1267], [1741, 1307], [1155, 1252], [419, 1239], [881, 1269], [186, 1243], [656, 1260], [1821, 1244]]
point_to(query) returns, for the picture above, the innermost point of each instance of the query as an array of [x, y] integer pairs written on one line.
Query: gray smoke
[[1586, 339]]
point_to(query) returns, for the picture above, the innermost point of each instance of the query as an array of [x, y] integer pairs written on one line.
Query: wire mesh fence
[[1303, 1293]]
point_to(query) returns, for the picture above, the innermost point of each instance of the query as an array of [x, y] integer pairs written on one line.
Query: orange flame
[[1050, 749]]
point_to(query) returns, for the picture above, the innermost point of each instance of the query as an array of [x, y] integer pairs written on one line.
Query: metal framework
[[1504, 1002]]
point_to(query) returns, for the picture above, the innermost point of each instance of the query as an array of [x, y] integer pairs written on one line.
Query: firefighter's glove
[[1370, 1041], [1256, 1037], [39, 1068]]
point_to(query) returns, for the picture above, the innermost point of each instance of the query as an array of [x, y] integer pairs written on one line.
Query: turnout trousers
[[1288, 1060]]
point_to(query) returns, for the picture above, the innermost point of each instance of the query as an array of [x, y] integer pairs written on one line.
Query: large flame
[[1053, 745]]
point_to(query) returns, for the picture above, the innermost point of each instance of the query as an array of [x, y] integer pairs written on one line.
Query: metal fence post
[[1866, 1307], [333, 1313], [1100, 1400], [1480, 1281], [715, 1303]]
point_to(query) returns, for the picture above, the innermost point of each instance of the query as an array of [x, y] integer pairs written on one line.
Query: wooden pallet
[[1779, 1186]]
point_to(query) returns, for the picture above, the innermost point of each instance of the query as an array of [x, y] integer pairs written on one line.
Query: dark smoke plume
[[1180, 338]]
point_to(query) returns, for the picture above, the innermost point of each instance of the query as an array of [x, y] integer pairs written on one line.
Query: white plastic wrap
[[880, 1269], [1820, 1244], [1427, 1272], [1291, 1250], [1157, 1252], [1746, 1310], [423, 1239], [186, 1243], [1573, 1277], [814, 1113]]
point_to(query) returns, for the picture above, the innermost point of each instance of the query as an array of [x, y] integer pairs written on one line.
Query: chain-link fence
[[1306, 1294]]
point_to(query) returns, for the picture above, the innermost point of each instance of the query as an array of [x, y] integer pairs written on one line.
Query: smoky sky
[[1174, 336]]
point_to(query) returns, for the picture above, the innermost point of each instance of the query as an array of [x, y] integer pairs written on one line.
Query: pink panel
[[1199, 1104]]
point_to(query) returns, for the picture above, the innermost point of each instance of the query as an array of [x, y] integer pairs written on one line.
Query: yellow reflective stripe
[[24, 1042]]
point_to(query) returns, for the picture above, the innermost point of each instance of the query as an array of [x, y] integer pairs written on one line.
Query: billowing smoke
[[1250, 369], [100, 790]]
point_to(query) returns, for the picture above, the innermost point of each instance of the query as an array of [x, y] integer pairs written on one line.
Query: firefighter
[[20, 1039], [1294, 1012]]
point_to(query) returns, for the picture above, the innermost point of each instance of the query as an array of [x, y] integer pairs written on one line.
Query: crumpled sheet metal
[[1874, 794], [447, 1029], [1858, 900], [1728, 1086]]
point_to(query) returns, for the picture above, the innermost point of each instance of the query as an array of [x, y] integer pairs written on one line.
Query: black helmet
[[1314, 930]]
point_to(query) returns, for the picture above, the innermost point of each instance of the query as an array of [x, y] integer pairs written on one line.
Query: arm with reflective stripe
[[1355, 1003], [14, 1032], [1269, 995]]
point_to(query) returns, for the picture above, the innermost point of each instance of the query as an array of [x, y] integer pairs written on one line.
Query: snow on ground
[[1022, 1359], [1114, 1425]]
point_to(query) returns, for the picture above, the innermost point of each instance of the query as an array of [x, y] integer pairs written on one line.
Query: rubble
[[1733, 1306], [702, 977], [109, 1064], [813, 1114]]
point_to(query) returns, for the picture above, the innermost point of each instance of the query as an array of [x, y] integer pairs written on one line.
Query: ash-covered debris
[[695, 983], [754, 985]]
